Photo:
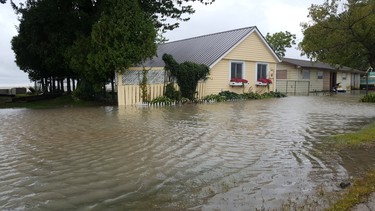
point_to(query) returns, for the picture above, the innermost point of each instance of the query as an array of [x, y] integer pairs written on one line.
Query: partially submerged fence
[[296, 87], [132, 94]]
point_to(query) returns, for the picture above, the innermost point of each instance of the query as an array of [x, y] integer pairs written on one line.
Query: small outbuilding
[[295, 76]]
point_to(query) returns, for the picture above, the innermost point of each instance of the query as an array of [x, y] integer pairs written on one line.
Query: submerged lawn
[[362, 187], [363, 137], [357, 193], [59, 102]]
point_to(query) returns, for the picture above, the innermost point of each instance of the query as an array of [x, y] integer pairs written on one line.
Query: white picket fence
[[132, 94]]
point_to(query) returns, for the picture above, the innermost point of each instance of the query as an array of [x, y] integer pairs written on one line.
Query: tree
[[341, 36], [188, 74], [43, 35], [123, 36], [91, 39], [279, 41]]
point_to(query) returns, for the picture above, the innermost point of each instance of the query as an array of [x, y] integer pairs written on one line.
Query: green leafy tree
[[91, 39], [279, 41], [341, 33], [123, 36], [43, 35], [188, 74]]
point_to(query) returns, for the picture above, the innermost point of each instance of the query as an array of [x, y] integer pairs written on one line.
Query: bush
[[162, 99], [230, 95], [252, 96], [217, 98], [369, 98], [278, 94], [172, 93]]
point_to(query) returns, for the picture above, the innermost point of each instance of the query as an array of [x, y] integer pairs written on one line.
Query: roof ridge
[[206, 35], [328, 66]]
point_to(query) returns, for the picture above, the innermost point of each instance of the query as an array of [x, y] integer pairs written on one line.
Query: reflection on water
[[240, 155]]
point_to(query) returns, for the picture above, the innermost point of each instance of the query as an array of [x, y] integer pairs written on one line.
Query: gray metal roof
[[205, 49], [134, 77], [318, 65]]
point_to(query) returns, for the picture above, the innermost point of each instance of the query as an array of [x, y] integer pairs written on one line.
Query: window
[[305, 74], [261, 71], [343, 76], [236, 70], [281, 74], [320, 75]]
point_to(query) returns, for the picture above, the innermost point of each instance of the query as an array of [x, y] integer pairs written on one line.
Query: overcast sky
[[223, 15]]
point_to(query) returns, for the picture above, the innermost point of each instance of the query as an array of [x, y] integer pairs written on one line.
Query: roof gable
[[206, 49]]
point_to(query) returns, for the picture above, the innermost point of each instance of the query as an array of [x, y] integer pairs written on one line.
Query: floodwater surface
[[228, 156]]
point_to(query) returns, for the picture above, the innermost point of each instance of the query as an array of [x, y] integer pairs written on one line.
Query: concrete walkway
[[368, 206]]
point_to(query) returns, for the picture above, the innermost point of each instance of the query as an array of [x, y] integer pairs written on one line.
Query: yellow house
[[235, 55], [295, 76]]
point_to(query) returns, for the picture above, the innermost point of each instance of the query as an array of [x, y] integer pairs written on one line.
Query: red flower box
[[265, 80], [238, 80]]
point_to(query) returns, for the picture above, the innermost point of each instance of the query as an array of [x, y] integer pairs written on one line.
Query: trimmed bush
[[172, 93], [369, 98]]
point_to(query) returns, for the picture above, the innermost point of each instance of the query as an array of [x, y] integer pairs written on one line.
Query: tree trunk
[[58, 85], [62, 85], [43, 84], [53, 84], [74, 83], [69, 90]]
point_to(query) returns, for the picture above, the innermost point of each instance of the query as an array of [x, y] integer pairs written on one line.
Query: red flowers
[[265, 81], [238, 80]]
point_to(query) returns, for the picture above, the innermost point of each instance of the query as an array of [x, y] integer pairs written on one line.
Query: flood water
[[224, 156]]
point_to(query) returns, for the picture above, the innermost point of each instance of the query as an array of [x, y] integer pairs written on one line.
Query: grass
[[363, 137], [365, 185], [358, 193], [59, 102]]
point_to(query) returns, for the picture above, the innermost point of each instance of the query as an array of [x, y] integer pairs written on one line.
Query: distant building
[[302, 77]]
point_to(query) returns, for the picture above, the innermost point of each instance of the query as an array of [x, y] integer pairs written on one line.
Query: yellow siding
[[292, 72], [250, 51], [220, 76], [315, 83]]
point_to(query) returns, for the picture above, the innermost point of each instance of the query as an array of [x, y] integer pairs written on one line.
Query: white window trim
[[256, 70], [230, 68]]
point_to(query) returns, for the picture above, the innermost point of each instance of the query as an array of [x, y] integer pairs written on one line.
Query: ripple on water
[[240, 155]]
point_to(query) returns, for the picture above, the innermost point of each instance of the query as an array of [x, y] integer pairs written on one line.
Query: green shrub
[[252, 96], [172, 93], [187, 74], [369, 98], [214, 97], [162, 99], [278, 94], [230, 95]]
